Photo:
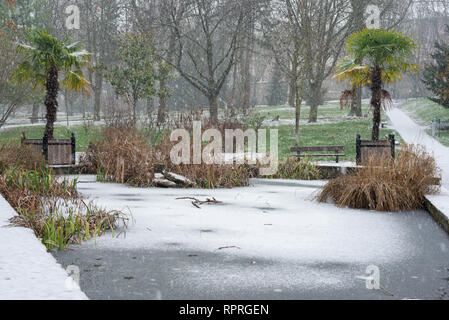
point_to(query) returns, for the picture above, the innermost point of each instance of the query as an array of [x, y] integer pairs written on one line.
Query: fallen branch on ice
[[197, 203]]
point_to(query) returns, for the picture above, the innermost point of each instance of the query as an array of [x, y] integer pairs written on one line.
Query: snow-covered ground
[[416, 134], [413, 133], [27, 271]]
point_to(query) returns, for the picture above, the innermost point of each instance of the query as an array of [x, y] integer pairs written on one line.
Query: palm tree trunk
[[376, 100], [51, 99]]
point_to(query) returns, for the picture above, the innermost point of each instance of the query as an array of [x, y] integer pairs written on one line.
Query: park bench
[[305, 152]]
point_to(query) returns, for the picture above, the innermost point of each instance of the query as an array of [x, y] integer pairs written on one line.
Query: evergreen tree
[[139, 68], [436, 74]]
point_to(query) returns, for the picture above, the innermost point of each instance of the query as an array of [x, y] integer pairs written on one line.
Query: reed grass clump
[[53, 208], [386, 184], [12, 155], [295, 169], [121, 156]]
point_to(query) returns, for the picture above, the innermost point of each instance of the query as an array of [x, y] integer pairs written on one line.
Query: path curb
[[437, 214], [313, 184]]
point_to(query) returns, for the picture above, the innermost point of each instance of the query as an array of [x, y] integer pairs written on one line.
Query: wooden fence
[[368, 148], [57, 152]]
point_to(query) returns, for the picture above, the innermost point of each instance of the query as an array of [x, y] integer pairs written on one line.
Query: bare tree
[[285, 44], [207, 41]]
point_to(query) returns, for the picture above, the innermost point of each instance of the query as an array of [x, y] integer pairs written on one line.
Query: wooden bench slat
[[301, 152], [322, 155], [314, 149]]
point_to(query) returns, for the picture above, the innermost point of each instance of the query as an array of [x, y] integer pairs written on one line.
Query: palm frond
[[75, 81], [43, 51]]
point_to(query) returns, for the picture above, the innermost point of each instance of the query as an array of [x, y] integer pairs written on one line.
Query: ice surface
[[266, 221]]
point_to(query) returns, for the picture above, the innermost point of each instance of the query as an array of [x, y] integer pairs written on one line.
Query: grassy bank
[[338, 134], [330, 111], [423, 111], [83, 134], [335, 129]]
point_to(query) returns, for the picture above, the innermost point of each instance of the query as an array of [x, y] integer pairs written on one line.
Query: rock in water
[[159, 176], [178, 179], [164, 183]]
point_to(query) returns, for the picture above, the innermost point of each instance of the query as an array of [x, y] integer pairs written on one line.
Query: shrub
[[386, 184], [216, 176], [54, 209], [291, 168], [19, 156], [121, 156]]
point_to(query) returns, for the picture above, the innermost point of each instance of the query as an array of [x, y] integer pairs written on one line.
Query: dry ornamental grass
[[122, 156], [386, 184]]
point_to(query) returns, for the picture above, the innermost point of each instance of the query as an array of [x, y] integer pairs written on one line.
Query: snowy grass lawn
[[330, 111], [83, 135], [424, 111], [335, 134]]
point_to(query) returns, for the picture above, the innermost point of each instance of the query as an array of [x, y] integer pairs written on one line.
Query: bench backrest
[[317, 149]]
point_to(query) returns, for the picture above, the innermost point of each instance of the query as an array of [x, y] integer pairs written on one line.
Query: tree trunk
[[135, 112], [150, 107], [35, 113], [376, 100], [213, 105], [356, 105], [51, 99], [298, 103], [292, 92], [315, 99], [246, 80], [162, 103], [98, 91], [234, 87]]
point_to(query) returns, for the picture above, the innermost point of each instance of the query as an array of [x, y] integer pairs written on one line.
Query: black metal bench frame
[[299, 151]]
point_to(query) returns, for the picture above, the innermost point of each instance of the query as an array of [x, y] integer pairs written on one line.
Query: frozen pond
[[262, 242]]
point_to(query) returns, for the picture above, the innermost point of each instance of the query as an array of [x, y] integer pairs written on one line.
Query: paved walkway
[[27, 271], [413, 133]]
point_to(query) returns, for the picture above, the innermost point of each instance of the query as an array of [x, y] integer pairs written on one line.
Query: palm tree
[[375, 57], [44, 58]]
